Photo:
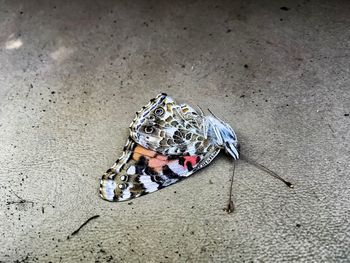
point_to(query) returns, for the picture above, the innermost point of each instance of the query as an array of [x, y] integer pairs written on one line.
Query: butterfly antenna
[[230, 206], [201, 110], [265, 169], [212, 113]]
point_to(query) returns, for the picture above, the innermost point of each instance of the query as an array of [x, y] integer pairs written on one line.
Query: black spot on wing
[[157, 179], [140, 165], [189, 166], [132, 195], [183, 148], [178, 140], [150, 171], [138, 187], [169, 173], [181, 160]]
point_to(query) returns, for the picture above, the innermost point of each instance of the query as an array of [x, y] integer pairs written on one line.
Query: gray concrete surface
[[72, 74]]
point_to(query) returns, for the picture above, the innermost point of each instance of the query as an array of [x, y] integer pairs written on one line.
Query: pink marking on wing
[[155, 162], [161, 157], [192, 159]]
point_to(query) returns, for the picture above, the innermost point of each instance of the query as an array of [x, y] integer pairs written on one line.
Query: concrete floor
[[72, 75]]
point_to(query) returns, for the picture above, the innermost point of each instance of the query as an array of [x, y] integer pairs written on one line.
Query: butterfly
[[167, 143]]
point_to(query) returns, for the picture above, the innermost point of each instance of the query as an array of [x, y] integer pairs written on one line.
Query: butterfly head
[[222, 135]]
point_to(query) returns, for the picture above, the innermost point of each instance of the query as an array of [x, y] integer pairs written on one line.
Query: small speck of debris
[[228, 30], [242, 96], [53, 92], [284, 8], [298, 225], [346, 114], [87, 221], [183, 66], [245, 65], [21, 12]]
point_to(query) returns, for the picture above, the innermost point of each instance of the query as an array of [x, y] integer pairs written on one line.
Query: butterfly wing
[[140, 171], [169, 128], [166, 144]]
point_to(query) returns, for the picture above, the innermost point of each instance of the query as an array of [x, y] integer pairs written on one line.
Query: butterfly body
[[168, 142]]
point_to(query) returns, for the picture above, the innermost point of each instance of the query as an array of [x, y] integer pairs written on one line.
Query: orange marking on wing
[[136, 156], [143, 151]]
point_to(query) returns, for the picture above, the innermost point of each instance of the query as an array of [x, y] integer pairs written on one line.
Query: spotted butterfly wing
[[169, 128], [140, 171], [168, 142]]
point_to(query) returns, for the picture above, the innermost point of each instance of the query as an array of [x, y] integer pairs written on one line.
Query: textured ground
[[72, 74]]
